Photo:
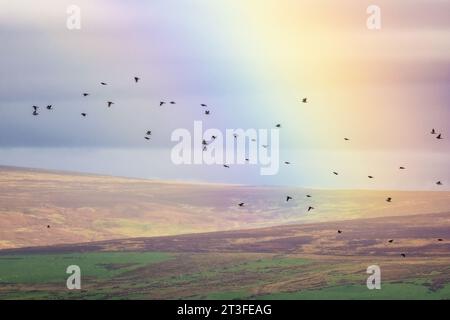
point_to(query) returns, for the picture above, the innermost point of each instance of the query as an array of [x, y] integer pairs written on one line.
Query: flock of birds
[[206, 143]]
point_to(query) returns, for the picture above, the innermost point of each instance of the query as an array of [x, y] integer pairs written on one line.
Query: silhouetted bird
[[172, 102], [84, 114], [310, 208], [334, 172], [149, 133], [206, 112], [35, 113], [85, 94], [103, 83], [370, 177], [226, 166], [203, 105], [402, 168], [136, 79], [161, 103], [235, 136], [305, 100], [35, 108], [278, 126], [110, 103], [213, 137], [241, 204], [339, 231], [146, 138], [48, 226], [346, 139], [288, 198], [440, 239], [389, 199], [390, 241], [287, 162], [433, 131], [49, 107], [403, 255], [439, 183], [308, 196], [439, 137], [264, 146]]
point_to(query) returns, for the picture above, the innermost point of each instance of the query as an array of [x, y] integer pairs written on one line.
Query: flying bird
[[278, 126], [403, 255], [110, 103], [49, 107], [226, 166], [439, 137], [48, 226], [172, 102], [103, 83], [308, 196], [440, 239], [204, 105], [241, 204], [206, 112], [85, 94], [370, 177], [305, 100], [35, 108], [402, 168], [339, 231], [389, 199], [310, 208], [390, 241], [288, 198], [136, 79], [433, 131], [35, 113], [335, 173], [264, 146], [346, 139], [146, 138], [84, 114], [287, 162], [161, 103], [149, 133], [439, 183]]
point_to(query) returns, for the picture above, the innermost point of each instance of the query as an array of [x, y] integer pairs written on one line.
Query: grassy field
[[156, 275]]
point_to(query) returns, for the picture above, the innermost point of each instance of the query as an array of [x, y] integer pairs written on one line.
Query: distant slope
[[84, 208]]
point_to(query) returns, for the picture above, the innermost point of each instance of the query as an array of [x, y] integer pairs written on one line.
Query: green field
[[226, 276]]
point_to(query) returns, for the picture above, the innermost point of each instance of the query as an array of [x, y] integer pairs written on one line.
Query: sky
[[251, 62]]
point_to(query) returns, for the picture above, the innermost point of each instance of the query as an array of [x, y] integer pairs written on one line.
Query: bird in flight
[[136, 79], [403, 255], [390, 241], [149, 133], [288, 198], [241, 204], [278, 126], [85, 94], [339, 231], [310, 208], [440, 239], [110, 103], [146, 138], [439, 183], [402, 168], [370, 177], [103, 83], [204, 105], [433, 131], [305, 100], [49, 107], [226, 166], [389, 199], [84, 114], [287, 162], [206, 112], [172, 102], [48, 226], [161, 103], [308, 196], [264, 146], [335, 173], [346, 139], [35, 108], [439, 137]]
